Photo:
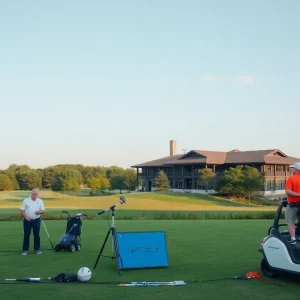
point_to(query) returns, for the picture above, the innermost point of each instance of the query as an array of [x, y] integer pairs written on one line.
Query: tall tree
[[11, 173], [34, 179], [114, 171], [162, 183], [71, 185], [207, 177], [90, 172], [240, 181], [98, 184], [253, 181], [130, 179], [117, 182], [22, 172], [48, 176], [67, 180], [231, 182], [5, 183]]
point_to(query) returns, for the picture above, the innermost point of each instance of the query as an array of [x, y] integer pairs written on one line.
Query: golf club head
[[123, 200]]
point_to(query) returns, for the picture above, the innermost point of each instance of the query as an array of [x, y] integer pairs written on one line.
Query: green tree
[[130, 179], [231, 182], [117, 182], [207, 177], [5, 183], [114, 171], [162, 183], [34, 179], [11, 173], [22, 172], [253, 181], [67, 180], [240, 181], [72, 185], [48, 176], [98, 184], [90, 172]]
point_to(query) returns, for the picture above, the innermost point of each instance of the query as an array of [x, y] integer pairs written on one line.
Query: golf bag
[[71, 240], [63, 277]]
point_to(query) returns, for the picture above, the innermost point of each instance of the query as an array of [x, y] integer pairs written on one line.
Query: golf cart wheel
[[57, 248], [266, 269], [72, 248]]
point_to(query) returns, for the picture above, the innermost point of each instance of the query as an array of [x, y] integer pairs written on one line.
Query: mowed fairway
[[135, 201], [197, 250]]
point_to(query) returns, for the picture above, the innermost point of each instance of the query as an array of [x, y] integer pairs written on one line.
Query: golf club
[[47, 233]]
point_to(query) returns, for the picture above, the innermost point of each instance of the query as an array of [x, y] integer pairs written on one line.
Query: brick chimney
[[173, 145]]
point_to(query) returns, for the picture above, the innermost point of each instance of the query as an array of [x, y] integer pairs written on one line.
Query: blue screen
[[142, 250]]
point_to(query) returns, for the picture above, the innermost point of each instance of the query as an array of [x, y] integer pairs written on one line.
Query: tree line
[[68, 178]]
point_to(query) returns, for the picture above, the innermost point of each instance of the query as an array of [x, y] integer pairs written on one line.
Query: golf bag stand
[[115, 249]]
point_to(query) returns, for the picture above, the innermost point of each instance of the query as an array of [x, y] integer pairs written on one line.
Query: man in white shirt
[[31, 210]]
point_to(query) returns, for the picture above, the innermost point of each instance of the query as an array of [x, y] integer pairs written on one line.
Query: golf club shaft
[[29, 279], [47, 234]]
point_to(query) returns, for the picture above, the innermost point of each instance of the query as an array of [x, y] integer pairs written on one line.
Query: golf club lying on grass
[[85, 275]]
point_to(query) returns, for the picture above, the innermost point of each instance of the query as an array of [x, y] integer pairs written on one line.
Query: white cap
[[296, 166]]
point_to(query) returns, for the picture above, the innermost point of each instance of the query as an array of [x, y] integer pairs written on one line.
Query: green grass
[[54, 214], [139, 206], [187, 198], [197, 250], [135, 201]]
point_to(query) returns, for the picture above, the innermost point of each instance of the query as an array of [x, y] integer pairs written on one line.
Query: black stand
[[115, 248]]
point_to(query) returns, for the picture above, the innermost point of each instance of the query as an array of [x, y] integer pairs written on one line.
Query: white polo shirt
[[31, 206]]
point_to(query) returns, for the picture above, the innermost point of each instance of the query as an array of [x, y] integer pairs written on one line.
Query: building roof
[[204, 157]]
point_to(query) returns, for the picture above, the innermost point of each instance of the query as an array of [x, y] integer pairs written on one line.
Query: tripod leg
[[117, 253], [102, 248]]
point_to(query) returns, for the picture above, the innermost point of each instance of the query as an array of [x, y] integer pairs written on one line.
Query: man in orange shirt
[[292, 189]]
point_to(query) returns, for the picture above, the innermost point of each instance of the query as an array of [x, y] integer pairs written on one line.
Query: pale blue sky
[[111, 82]]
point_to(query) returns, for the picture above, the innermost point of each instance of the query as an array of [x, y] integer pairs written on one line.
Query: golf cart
[[279, 254]]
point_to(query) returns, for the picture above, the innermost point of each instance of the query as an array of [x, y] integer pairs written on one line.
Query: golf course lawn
[[134, 201], [197, 250]]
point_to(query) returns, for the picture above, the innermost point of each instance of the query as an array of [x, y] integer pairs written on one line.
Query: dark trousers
[[35, 225]]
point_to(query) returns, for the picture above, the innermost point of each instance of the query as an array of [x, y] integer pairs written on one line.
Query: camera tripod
[[112, 230]]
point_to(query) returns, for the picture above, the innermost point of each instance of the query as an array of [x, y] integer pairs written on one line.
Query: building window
[[178, 184], [269, 185], [281, 184]]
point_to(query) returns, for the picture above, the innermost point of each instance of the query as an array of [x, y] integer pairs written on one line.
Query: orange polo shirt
[[293, 183]]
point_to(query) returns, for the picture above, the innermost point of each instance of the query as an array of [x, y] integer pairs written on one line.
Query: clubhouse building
[[183, 169]]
